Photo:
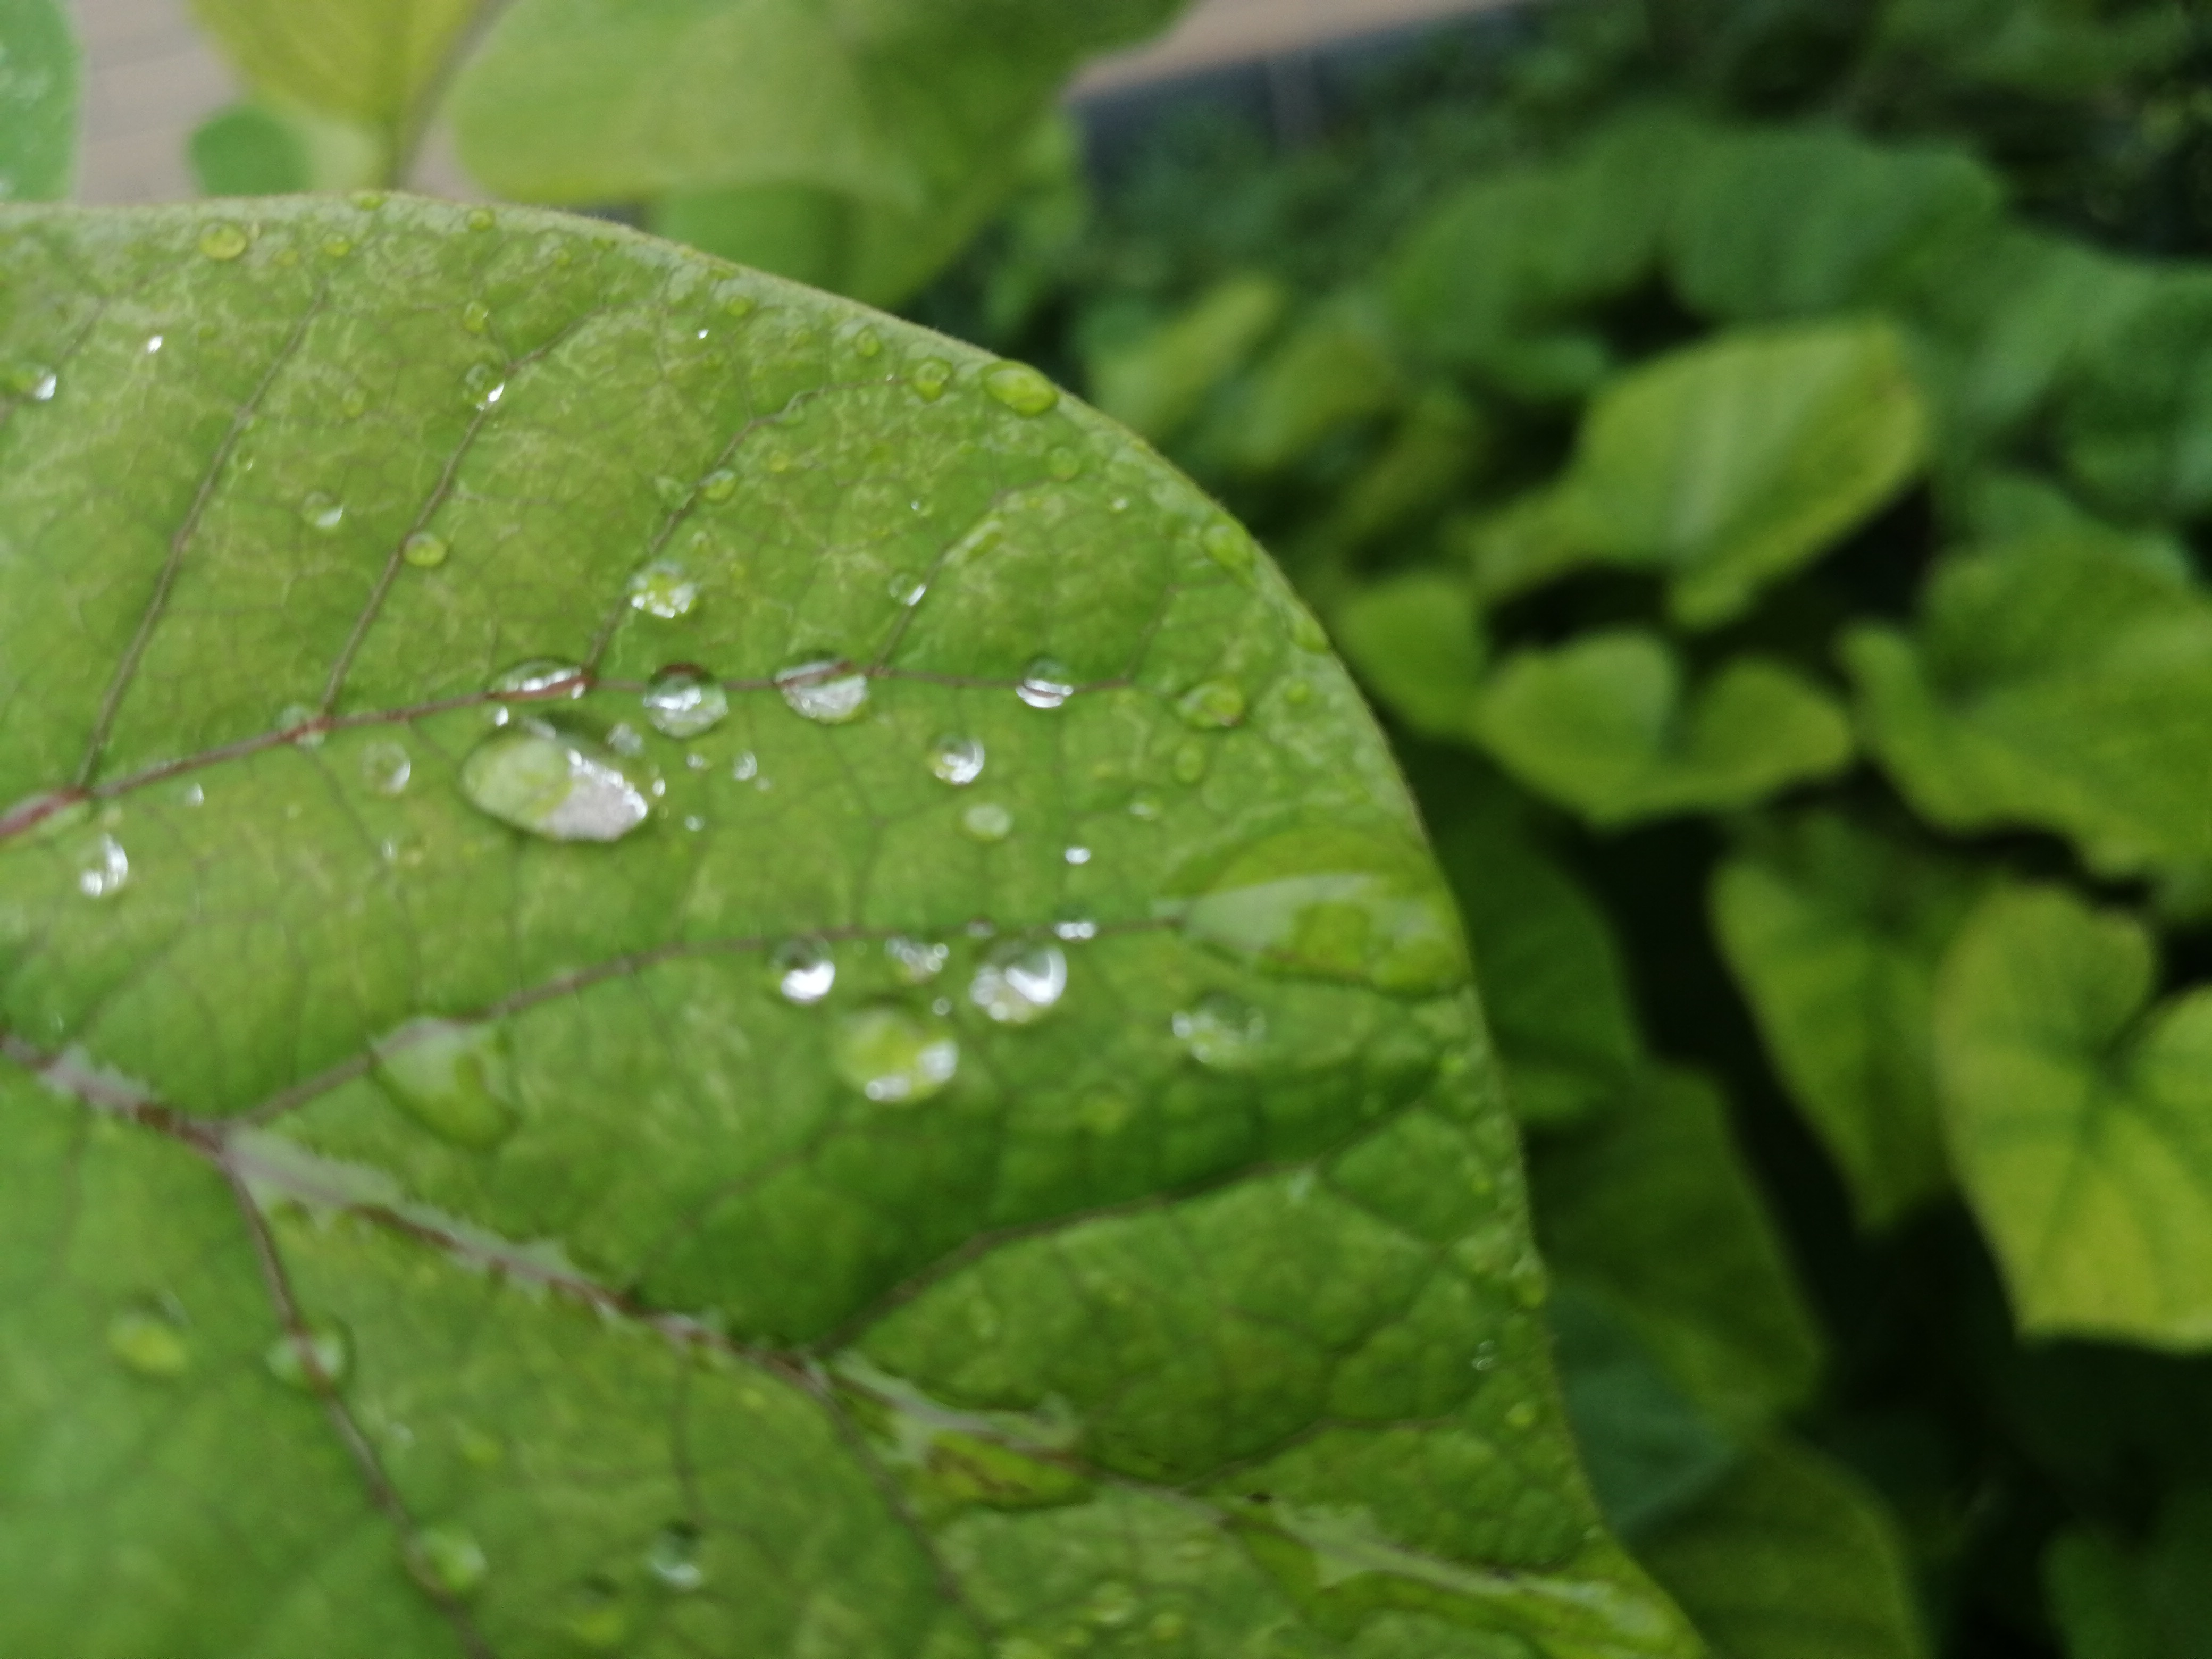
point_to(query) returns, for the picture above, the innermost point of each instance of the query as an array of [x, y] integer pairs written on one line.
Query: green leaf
[[1157, 382], [1605, 725], [1438, 447], [2150, 1601], [1652, 1207], [373, 62], [2135, 422], [2060, 683], [1835, 932], [681, 970], [1336, 367], [39, 82], [1416, 642], [1727, 466], [255, 149], [2080, 1118], [1792, 1557]]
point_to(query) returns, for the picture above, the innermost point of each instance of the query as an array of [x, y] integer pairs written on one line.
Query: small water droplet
[[223, 240], [1521, 1414], [193, 795], [310, 1360], [1228, 546], [453, 1078], [41, 385], [1063, 463], [386, 766], [484, 385], [664, 589], [594, 1617], [476, 317], [541, 677], [103, 868], [481, 218], [1221, 1033], [868, 344], [685, 702], [1485, 1357], [1306, 632], [803, 971], [957, 760], [745, 767], [893, 1058], [825, 690], [1075, 930], [672, 1559], [1020, 983], [151, 1342], [554, 785], [929, 378], [1077, 855], [915, 962], [323, 511], [987, 821], [718, 486], [424, 550], [446, 1560], [1045, 683], [739, 305], [1218, 703], [154, 343], [303, 726], [1020, 388], [908, 591]]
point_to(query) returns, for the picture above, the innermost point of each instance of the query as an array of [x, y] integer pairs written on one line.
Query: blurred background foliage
[[1758, 455]]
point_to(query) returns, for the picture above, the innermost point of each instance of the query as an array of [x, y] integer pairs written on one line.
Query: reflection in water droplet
[[446, 1560], [1077, 929], [542, 676], [1020, 983], [1221, 1032], [386, 765], [103, 868], [154, 343], [310, 1360], [929, 378], [1212, 703], [150, 1342], [804, 970], [1045, 683], [1020, 388], [683, 702], [223, 240], [672, 1559], [1077, 855], [916, 961], [957, 760], [454, 1078], [554, 785], [987, 821], [893, 1058], [424, 551], [1228, 546], [43, 387], [484, 385], [825, 690], [745, 767], [321, 510]]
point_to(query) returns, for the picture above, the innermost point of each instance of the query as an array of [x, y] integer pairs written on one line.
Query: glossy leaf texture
[[39, 90], [685, 970]]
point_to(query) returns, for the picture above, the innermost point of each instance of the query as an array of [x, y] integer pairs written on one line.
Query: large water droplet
[[893, 1058], [541, 677], [1335, 903], [1222, 1033], [425, 550], [1020, 388], [446, 1560], [685, 702], [672, 1559], [554, 785], [386, 767], [223, 240], [825, 690], [455, 1080], [1212, 703], [916, 961], [150, 1342], [1020, 983], [1045, 683], [102, 868], [804, 970], [312, 1359], [987, 822], [957, 760]]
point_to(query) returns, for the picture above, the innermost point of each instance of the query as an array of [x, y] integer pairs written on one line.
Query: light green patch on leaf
[[963, 1074], [1727, 466], [1155, 383], [1834, 932], [372, 61], [2060, 683], [1606, 725], [1415, 640], [1651, 1208], [2116, 1600], [2080, 1118], [1792, 1557], [40, 72], [260, 149]]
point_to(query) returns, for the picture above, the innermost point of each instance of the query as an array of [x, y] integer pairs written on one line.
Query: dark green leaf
[[39, 75], [1157, 382], [2135, 420], [2154, 1602], [1335, 368]]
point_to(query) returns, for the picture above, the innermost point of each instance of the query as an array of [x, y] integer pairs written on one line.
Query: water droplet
[[103, 868], [43, 385], [1306, 632], [1336, 904], [745, 767], [310, 1360], [739, 305], [1045, 683], [868, 344], [1063, 463], [1221, 1032], [718, 486], [825, 690], [893, 1058], [385, 764], [553, 785], [454, 1078], [484, 385], [481, 218], [1074, 930], [664, 589], [685, 702], [908, 591], [915, 962], [154, 343], [803, 971], [1228, 546], [1076, 855], [193, 795], [1020, 983], [150, 1342], [594, 1617], [674, 494], [539, 677], [446, 1560], [957, 760], [1485, 1357], [1212, 703], [322, 512], [223, 240], [1020, 388], [1521, 1414], [988, 821], [929, 378], [476, 317], [672, 1559], [424, 551], [1145, 808]]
